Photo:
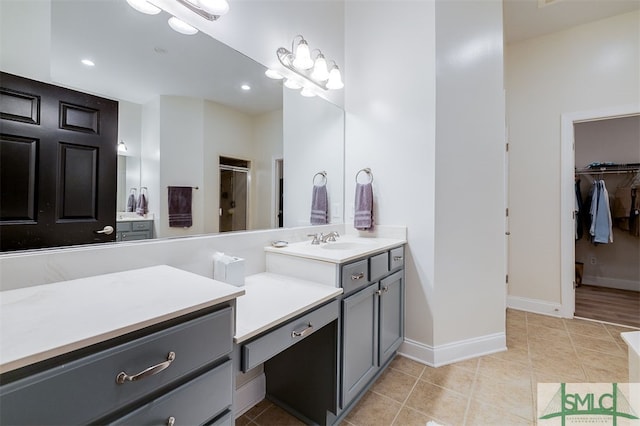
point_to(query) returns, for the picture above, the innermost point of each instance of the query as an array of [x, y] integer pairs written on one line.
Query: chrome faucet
[[331, 236], [316, 238]]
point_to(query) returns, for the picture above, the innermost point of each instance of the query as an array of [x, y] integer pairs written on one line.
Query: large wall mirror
[[182, 109]]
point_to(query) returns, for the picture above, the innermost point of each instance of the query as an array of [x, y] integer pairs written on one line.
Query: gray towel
[[131, 203], [180, 206], [363, 217], [143, 205], [319, 205]]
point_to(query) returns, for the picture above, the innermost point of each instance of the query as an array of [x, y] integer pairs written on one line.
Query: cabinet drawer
[[134, 236], [355, 275], [85, 390], [123, 226], [261, 349], [396, 258], [193, 403], [379, 265], [141, 226]]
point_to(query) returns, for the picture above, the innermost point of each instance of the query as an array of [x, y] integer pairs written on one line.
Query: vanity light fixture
[[122, 147], [314, 70], [144, 6], [181, 26], [210, 10]]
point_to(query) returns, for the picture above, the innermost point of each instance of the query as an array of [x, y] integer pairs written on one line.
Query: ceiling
[[524, 19], [139, 57]]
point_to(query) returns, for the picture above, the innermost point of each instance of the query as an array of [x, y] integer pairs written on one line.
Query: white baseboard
[[249, 394], [611, 283], [453, 352], [535, 305]]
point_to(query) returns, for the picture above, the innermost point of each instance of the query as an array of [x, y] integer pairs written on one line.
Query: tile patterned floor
[[498, 389]]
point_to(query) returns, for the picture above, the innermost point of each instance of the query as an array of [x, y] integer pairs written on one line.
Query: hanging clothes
[[626, 208], [601, 224]]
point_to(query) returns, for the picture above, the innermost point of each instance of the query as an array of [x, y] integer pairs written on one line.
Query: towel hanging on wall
[[180, 206], [363, 206]]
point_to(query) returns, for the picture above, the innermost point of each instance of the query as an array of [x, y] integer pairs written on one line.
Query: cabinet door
[[391, 317], [360, 341]]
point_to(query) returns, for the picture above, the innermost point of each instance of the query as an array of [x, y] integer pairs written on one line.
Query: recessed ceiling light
[[245, 87], [88, 62], [181, 26]]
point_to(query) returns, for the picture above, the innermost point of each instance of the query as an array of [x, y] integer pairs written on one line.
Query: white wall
[[426, 172], [469, 191], [588, 67], [268, 137], [129, 131]]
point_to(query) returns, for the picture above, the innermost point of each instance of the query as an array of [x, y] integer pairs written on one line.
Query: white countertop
[[344, 249], [132, 217], [40, 322], [632, 338], [272, 299]]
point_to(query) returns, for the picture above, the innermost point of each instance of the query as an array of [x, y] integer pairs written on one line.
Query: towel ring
[[324, 176], [368, 172]]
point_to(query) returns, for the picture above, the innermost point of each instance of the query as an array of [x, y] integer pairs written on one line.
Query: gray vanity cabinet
[[372, 322], [132, 230], [178, 370], [360, 341]]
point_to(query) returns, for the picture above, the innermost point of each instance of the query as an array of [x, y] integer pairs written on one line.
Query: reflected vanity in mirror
[[182, 108]]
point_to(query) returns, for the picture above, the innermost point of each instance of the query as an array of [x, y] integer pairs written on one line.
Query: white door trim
[[567, 194]]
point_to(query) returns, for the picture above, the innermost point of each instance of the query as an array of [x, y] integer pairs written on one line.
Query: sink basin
[[344, 245]]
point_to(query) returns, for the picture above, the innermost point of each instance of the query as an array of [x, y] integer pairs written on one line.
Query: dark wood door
[[58, 165]]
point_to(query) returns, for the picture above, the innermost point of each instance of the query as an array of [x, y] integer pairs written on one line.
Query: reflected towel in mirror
[[180, 206], [319, 205]]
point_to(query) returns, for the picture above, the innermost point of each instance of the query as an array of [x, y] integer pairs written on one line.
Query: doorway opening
[[600, 277], [234, 194]]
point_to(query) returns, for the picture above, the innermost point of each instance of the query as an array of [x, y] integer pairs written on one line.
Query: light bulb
[[307, 92], [181, 26], [335, 79], [273, 74], [122, 147], [302, 58], [214, 7], [292, 84], [144, 6], [320, 71]]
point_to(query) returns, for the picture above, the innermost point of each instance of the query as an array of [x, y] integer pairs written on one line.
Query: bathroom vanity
[[351, 352], [148, 346], [131, 227]]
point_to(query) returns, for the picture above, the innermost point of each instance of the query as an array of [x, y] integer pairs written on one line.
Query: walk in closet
[[607, 251]]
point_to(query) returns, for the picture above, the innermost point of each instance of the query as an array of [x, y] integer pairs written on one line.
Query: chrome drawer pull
[[382, 291], [302, 333], [357, 276], [151, 371], [397, 258], [171, 421]]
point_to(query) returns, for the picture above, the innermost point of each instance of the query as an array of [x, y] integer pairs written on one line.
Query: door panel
[[391, 318], [360, 341], [59, 165]]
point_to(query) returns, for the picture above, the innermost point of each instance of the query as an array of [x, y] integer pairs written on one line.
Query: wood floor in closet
[[608, 304]]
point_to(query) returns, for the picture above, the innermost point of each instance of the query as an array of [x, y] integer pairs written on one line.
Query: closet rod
[[607, 171]]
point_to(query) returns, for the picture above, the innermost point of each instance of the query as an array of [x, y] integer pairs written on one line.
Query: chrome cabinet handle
[[107, 230], [357, 276], [171, 421], [397, 258], [382, 290], [303, 332], [123, 377]]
